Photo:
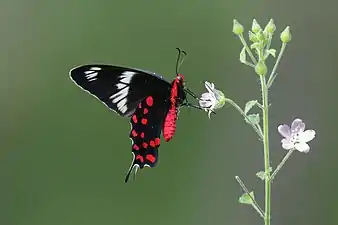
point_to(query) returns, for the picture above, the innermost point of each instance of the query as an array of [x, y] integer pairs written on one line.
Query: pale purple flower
[[296, 137]]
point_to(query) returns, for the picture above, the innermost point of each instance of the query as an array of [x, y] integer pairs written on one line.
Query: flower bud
[[237, 28], [270, 27], [260, 68], [253, 37], [255, 26], [285, 36]]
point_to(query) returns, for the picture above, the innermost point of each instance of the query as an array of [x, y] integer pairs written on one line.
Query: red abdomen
[[169, 126]]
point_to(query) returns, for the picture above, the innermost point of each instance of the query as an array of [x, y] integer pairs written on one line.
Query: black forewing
[[119, 88], [146, 125]]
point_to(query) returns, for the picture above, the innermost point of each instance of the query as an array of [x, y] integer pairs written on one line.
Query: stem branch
[[273, 73], [252, 57], [280, 165], [239, 109], [254, 203]]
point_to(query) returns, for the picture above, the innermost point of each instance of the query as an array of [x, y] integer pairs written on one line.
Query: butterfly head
[[180, 78]]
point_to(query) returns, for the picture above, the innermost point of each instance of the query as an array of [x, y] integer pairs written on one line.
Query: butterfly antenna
[[179, 62]]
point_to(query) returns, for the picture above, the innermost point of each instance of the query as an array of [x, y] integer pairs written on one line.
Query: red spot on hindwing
[[139, 105], [142, 135], [150, 101], [135, 147], [157, 141], [152, 144], [134, 118], [140, 157], [144, 145], [134, 133], [144, 121], [150, 158], [145, 111]]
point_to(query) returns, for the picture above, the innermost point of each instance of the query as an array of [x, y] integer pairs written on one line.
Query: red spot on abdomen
[[150, 158], [140, 157], [169, 127], [150, 101]]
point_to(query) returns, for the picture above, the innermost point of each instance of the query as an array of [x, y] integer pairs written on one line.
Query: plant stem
[[254, 203], [245, 116], [286, 157], [267, 180], [252, 57], [273, 73]]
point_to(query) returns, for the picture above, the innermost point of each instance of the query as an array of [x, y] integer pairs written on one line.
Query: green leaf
[[254, 119], [255, 45], [245, 198], [261, 174], [271, 52], [249, 105], [242, 55]]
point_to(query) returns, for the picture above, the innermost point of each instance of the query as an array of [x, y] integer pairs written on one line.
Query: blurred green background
[[64, 155]]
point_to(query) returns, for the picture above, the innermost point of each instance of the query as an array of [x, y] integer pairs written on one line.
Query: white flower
[[213, 99], [296, 137]]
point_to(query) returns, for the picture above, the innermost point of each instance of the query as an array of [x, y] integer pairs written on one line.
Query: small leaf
[[255, 45], [249, 105], [242, 56], [271, 52], [245, 198], [261, 174], [254, 119]]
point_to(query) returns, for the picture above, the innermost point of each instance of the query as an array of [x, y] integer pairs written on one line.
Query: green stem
[[273, 73], [267, 180], [247, 49], [254, 203], [286, 157], [257, 130], [267, 47]]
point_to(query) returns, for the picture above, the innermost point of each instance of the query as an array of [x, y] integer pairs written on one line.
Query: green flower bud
[[270, 27], [260, 68], [255, 26], [261, 36], [253, 37], [285, 36], [237, 28]]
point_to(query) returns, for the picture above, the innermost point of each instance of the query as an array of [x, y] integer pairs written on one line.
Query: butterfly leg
[[189, 105], [191, 93]]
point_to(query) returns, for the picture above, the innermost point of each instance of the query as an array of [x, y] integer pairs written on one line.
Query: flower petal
[[287, 144], [206, 96], [297, 126], [302, 147], [209, 86], [285, 131], [307, 135]]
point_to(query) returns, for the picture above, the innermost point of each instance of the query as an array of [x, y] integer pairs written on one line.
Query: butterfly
[[151, 103]]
